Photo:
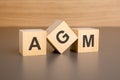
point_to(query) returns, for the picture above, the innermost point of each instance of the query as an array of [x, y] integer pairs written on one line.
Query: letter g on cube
[[61, 36]]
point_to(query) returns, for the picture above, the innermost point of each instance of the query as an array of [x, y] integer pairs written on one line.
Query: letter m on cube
[[88, 40]]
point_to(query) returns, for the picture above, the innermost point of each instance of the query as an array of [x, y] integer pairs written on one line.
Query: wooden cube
[[88, 40], [60, 36], [32, 42]]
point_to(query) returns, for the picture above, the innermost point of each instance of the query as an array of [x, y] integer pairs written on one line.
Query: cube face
[[88, 40], [61, 36], [32, 42]]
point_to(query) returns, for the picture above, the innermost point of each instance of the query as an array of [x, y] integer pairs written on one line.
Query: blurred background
[[21, 14], [42, 13]]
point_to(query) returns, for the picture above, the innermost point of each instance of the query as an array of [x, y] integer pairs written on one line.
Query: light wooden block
[[61, 36], [32, 42], [88, 40]]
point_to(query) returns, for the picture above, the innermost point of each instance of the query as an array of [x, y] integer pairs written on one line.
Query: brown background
[[88, 13]]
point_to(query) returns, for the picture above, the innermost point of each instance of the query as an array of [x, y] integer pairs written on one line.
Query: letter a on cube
[[32, 42], [61, 36], [88, 40]]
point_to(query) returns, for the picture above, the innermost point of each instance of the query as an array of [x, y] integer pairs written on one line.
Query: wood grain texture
[[88, 40], [60, 36], [30, 13], [38, 36]]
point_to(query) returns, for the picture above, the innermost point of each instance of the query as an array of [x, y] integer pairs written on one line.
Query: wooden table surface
[[88, 13]]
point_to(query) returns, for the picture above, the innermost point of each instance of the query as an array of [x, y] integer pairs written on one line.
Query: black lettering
[[34, 40], [91, 40], [64, 36]]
